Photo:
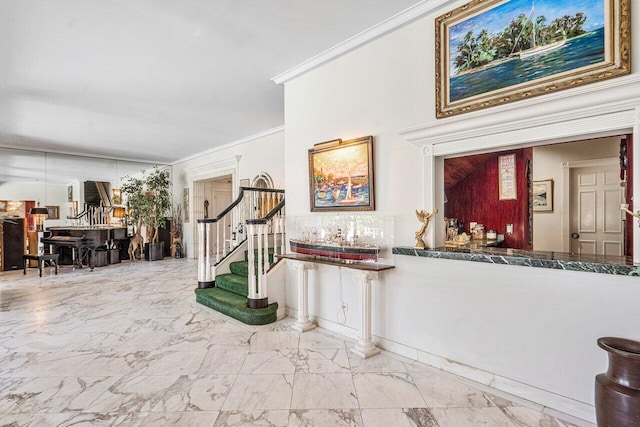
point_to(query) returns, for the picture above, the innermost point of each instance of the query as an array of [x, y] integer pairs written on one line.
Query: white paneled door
[[596, 219]]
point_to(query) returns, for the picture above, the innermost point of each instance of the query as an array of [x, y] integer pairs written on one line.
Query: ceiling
[[158, 80]]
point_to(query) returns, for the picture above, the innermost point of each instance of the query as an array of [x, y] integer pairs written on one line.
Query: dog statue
[[135, 246]]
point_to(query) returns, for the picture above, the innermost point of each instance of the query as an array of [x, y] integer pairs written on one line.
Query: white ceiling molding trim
[[398, 20], [595, 120], [214, 169], [467, 125], [253, 137]]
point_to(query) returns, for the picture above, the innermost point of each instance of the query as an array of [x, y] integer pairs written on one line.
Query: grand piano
[[77, 245]]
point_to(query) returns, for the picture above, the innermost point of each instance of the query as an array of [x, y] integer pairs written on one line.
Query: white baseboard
[[562, 407]]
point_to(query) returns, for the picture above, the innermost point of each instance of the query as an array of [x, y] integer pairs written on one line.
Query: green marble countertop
[[620, 265]]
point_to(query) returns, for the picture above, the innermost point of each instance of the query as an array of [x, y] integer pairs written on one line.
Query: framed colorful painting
[[341, 175], [491, 52]]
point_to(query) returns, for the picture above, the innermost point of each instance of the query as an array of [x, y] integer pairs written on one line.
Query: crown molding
[[211, 170], [391, 24], [471, 126], [253, 137]]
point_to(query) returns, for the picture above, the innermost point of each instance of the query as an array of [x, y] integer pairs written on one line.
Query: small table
[[364, 273], [41, 258]]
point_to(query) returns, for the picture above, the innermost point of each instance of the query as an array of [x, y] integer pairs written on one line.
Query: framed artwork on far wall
[[3, 205], [70, 193], [185, 203], [543, 195], [341, 175], [116, 196], [507, 179], [54, 212], [492, 52]]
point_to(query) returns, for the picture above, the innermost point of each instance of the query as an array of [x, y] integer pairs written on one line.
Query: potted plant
[[149, 202], [132, 189], [158, 203]]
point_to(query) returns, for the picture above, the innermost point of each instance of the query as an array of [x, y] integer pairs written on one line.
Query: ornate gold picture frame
[[341, 175], [491, 52]]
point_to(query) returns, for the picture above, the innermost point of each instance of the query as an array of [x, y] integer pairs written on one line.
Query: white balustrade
[[252, 217]]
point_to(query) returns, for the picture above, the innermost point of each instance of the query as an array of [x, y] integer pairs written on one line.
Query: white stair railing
[[264, 234], [217, 237]]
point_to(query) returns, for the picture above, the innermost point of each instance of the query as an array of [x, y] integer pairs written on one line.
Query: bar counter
[[621, 265]]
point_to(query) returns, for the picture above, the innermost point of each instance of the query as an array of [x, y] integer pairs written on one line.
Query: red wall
[[475, 198]]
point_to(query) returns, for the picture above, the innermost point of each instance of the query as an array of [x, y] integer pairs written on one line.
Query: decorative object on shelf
[[507, 184], [543, 195], [341, 175], [53, 212], [617, 393], [356, 237], [491, 52], [206, 208], [335, 249], [424, 219]]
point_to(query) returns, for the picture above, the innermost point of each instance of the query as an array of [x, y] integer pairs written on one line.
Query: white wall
[[528, 331], [547, 164], [261, 154]]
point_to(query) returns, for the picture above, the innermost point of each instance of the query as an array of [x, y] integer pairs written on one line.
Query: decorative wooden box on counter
[[621, 265], [364, 273]]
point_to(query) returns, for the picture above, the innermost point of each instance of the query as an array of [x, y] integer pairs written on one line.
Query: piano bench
[[41, 258]]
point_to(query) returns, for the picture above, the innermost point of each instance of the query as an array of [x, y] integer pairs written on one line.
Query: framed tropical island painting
[[491, 52]]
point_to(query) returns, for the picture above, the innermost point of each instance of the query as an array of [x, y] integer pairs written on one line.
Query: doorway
[[596, 221], [210, 198]]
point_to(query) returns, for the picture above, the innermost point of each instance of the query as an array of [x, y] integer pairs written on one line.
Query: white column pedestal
[[303, 324], [365, 347]]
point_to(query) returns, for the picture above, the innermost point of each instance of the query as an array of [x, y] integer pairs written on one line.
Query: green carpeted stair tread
[[255, 251], [234, 283], [235, 306], [241, 268]]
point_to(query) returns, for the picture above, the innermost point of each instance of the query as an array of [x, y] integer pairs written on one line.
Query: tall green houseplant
[[148, 200], [133, 191], [158, 201]]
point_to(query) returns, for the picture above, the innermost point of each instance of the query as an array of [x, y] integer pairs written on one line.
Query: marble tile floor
[[126, 345]]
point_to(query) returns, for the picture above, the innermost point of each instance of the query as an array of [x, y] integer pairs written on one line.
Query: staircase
[[230, 295], [236, 254]]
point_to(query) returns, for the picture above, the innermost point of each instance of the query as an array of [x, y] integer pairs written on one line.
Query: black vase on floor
[[618, 390], [154, 251]]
